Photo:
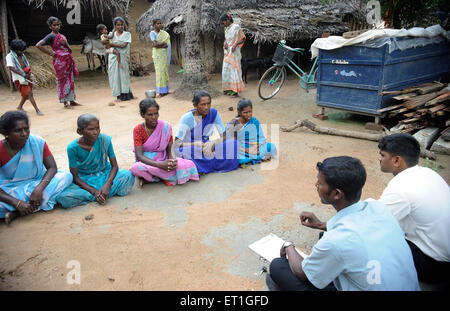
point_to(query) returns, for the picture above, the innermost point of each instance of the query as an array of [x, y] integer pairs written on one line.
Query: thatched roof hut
[[26, 19], [30, 17], [262, 20], [265, 22]]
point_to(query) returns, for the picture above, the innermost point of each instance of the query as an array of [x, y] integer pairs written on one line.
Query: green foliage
[[411, 13], [432, 165]]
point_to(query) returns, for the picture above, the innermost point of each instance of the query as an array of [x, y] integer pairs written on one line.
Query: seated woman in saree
[[253, 146], [232, 83], [192, 139], [29, 178], [94, 177], [161, 57], [63, 62], [119, 76], [155, 157]]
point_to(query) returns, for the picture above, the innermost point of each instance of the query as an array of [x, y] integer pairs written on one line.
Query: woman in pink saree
[[155, 157], [63, 62]]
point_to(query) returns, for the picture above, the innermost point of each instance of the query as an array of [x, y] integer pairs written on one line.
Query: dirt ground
[[189, 237]]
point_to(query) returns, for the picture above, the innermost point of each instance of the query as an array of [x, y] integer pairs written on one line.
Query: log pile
[[419, 106]]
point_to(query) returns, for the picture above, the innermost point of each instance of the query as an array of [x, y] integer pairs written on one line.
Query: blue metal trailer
[[351, 78]]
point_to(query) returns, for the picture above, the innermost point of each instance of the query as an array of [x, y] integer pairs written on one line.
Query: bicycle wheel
[[271, 82]]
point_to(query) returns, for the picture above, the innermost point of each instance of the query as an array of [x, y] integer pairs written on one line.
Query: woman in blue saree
[[29, 177], [246, 129], [192, 139], [94, 177]]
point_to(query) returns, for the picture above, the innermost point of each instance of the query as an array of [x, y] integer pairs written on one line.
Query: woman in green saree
[[161, 57]]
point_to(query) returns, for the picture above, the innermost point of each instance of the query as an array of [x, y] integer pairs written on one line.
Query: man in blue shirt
[[363, 247]]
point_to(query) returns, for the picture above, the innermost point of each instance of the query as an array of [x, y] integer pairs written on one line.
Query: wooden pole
[[5, 39], [12, 23], [348, 133]]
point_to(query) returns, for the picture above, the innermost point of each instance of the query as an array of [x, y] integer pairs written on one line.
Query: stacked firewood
[[420, 106]]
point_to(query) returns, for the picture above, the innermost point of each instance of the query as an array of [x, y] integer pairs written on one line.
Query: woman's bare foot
[[142, 182], [10, 216], [67, 106]]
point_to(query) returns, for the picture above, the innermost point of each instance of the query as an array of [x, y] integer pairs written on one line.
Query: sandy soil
[[190, 237]]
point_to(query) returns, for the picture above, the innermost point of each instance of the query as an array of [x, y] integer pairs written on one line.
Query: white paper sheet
[[269, 247]]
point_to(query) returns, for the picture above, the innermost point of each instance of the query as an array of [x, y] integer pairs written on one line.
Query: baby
[[104, 36]]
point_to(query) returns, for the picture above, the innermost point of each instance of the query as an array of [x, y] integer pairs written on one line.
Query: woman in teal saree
[[95, 178], [246, 129]]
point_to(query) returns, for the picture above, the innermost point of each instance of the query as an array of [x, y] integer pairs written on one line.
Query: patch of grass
[[433, 165]]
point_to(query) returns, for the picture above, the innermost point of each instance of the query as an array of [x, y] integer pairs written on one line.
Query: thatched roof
[[98, 7], [261, 20]]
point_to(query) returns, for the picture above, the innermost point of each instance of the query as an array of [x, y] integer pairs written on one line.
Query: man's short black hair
[[344, 173], [18, 45], [403, 145]]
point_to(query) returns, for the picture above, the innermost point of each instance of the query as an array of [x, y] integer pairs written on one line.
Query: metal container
[[150, 93], [352, 78]]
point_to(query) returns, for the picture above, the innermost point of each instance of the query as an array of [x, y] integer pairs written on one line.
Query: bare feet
[[20, 108], [67, 106], [142, 182], [10, 216]]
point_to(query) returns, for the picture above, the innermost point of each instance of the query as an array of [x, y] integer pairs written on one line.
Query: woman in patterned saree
[[232, 82], [63, 62], [155, 157]]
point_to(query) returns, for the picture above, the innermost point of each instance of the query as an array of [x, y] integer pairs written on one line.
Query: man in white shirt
[[419, 198]]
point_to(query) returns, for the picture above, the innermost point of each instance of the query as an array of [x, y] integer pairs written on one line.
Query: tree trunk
[[4, 31], [194, 76], [210, 53]]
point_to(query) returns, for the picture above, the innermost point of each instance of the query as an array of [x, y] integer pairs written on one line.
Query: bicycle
[[272, 80]]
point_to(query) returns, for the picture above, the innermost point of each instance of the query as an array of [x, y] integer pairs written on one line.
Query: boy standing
[[17, 62]]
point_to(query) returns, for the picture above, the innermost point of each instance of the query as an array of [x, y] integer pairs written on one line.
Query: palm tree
[[194, 76]]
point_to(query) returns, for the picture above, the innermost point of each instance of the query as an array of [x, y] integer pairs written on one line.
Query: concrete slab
[[426, 136], [441, 146]]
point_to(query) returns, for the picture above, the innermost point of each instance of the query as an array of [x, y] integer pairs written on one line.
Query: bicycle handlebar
[[283, 44]]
